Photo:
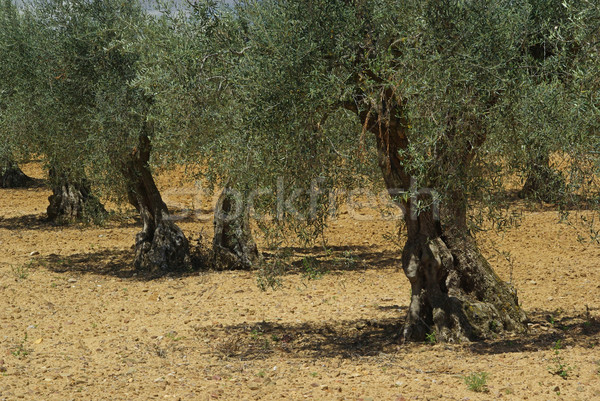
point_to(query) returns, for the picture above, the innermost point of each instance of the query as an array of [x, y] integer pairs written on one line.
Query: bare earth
[[77, 323]]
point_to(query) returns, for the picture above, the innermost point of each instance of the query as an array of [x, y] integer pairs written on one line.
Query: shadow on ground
[[108, 262], [27, 222], [337, 258], [381, 337], [40, 222], [548, 330], [335, 339]]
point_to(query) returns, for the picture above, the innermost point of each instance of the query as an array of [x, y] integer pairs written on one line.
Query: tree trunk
[[161, 246], [455, 294], [11, 176], [233, 243], [543, 182], [72, 200]]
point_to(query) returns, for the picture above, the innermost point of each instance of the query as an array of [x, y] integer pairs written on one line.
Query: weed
[[560, 368], [261, 373], [431, 338], [312, 268], [314, 374], [270, 272], [20, 351], [173, 336], [230, 347], [477, 382], [21, 272]]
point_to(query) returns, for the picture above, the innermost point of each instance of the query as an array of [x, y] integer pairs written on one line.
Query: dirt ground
[[78, 323]]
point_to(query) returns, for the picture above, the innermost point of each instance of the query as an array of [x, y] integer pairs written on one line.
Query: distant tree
[[434, 83], [15, 70], [99, 118]]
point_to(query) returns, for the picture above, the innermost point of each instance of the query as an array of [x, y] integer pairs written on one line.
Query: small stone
[[580, 388], [34, 253], [2, 368], [556, 389], [72, 280]]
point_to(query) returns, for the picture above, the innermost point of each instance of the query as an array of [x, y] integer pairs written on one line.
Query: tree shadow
[[40, 222], [27, 222], [107, 262], [335, 339], [338, 259], [547, 330], [375, 337], [572, 202]]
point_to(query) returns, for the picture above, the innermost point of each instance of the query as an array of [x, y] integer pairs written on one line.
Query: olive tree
[[100, 118], [15, 72], [434, 83], [187, 74]]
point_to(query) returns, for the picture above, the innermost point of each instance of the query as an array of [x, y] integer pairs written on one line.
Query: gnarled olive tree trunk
[[72, 199], [11, 176], [455, 294], [233, 243], [161, 246]]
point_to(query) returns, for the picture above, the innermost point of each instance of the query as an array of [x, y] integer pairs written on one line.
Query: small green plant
[[559, 368], [261, 373], [312, 268], [314, 374], [477, 382], [173, 336], [431, 338], [20, 272], [20, 351]]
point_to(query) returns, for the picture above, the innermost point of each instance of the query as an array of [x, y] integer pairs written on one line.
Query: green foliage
[[477, 382], [431, 338], [559, 367], [312, 268], [20, 351], [21, 272]]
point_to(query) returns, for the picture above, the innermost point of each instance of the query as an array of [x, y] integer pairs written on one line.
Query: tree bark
[[455, 294], [233, 243], [11, 176], [543, 182], [72, 200], [161, 246]]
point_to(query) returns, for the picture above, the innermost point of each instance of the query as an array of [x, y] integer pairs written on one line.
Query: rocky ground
[[78, 323]]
